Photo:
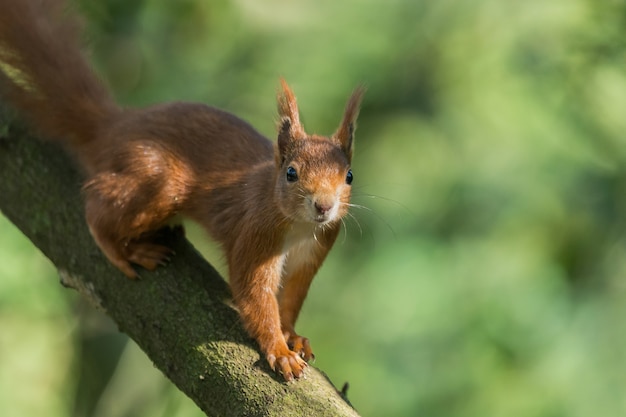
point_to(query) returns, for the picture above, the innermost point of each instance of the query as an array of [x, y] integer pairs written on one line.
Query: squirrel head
[[314, 176]]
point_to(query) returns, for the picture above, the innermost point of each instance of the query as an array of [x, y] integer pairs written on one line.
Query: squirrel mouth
[[322, 219]]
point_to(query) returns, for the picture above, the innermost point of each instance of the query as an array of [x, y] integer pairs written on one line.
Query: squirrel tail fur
[[44, 74]]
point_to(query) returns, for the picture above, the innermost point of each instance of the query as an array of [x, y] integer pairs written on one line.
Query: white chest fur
[[298, 248]]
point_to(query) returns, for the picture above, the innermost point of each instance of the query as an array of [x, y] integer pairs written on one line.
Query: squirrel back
[[44, 74]]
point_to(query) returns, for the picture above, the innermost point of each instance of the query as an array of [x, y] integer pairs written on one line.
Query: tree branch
[[179, 315]]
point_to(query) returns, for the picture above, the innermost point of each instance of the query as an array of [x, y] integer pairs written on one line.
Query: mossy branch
[[179, 315]]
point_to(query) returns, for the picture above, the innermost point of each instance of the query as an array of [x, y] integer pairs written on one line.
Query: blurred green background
[[486, 275]]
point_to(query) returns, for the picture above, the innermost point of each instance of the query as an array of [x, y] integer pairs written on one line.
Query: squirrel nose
[[322, 208]]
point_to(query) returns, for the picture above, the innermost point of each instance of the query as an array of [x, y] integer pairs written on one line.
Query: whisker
[[358, 224], [391, 200], [370, 210], [345, 231], [358, 206]]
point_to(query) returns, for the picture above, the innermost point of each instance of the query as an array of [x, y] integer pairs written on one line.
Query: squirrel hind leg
[[149, 251], [128, 229]]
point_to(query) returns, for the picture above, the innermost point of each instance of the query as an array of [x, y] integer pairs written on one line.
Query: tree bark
[[180, 315]]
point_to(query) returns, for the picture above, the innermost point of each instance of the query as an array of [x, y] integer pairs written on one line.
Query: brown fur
[[145, 166]]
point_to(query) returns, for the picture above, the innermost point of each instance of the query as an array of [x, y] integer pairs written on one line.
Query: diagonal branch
[[179, 315]]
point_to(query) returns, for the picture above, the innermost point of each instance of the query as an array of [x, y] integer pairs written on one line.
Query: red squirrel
[[275, 208]]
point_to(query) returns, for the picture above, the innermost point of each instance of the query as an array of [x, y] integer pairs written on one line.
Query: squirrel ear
[[344, 136], [289, 127]]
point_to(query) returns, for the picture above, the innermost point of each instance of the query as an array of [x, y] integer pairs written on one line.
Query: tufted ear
[[289, 128], [344, 136]]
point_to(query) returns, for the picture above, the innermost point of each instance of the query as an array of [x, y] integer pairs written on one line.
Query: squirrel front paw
[[287, 363], [299, 345]]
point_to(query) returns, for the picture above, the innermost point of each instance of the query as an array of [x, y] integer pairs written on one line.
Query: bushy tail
[[44, 74]]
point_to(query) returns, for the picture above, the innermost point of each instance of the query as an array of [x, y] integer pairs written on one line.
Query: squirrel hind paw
[[148, 255], [153, 249]]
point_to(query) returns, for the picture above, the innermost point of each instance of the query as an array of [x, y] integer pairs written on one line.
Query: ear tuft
[[344, 136], [289, 127], [288, 107]]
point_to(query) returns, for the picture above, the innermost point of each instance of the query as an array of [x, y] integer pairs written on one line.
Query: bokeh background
[[485, 275]]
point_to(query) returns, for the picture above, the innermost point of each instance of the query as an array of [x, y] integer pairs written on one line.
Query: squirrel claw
[[288, 364], [271, 359]]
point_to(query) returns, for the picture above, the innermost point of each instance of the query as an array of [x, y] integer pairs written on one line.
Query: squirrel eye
[[349, 177], [292, 174]]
